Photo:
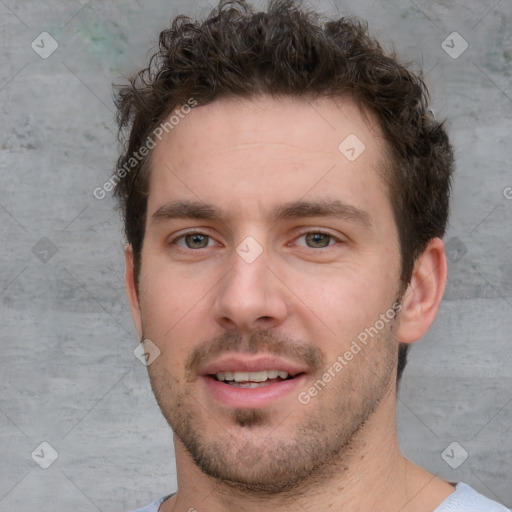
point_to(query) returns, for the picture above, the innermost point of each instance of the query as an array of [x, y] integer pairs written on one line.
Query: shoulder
[[466, 499], [154, 505]]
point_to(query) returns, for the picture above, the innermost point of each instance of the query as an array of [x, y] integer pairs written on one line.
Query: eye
[[194, 241], [317, 239]]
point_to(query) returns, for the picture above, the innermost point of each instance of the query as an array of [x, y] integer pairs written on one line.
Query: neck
[[371, 474]]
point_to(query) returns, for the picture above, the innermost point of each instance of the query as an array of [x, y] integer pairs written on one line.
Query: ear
[[132, 289], [424, 293]]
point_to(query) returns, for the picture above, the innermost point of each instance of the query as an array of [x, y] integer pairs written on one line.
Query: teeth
[[248, 384], [251, 376]]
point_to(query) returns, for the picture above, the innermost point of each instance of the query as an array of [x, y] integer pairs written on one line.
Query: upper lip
[[259, 363]]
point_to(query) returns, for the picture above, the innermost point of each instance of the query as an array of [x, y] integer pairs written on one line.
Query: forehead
[[282, 120], [269, 149]]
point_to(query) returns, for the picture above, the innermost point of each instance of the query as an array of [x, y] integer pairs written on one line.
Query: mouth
[[253, 379], [250, 383]]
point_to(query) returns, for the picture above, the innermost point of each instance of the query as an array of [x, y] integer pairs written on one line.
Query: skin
[[298, 299]]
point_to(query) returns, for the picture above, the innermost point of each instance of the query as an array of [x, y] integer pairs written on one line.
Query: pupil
[[197, 241], [318, 239]]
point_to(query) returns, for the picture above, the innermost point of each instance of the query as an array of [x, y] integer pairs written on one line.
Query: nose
[[250, 296]]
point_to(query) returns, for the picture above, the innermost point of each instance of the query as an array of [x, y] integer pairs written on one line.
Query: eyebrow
[[287, 211], [186, 210], [322, 208]]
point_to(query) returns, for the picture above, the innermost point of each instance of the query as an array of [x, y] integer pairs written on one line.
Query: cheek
[[174, 311], [342, 304], [168, 293]]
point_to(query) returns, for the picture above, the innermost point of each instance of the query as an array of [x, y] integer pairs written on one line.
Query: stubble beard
[[256, 456]]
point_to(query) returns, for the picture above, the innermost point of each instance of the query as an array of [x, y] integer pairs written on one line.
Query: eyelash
[[309, 232]]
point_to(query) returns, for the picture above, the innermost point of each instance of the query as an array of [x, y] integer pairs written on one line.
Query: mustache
[[262, 341]]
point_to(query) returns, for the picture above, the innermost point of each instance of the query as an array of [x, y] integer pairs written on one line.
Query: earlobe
[[132, 289], [424, 293]]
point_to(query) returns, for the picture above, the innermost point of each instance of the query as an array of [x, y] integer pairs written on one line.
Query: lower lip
[[251, 398]]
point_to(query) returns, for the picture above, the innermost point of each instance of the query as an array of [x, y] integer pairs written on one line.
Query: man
[[285, 190]]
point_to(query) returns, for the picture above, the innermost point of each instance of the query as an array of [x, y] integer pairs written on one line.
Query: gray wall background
[[68, 373]]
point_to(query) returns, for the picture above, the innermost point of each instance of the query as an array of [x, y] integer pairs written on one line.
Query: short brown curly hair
[[289, 50]]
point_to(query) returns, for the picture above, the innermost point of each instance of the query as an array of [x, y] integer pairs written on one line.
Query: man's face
[[274, 281]]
